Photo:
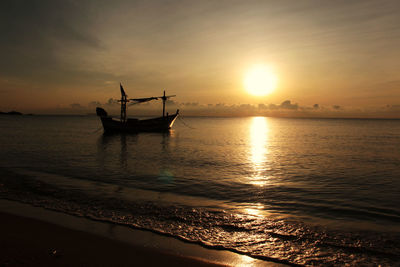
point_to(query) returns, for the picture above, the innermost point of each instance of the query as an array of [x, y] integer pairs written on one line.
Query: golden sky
[[331, 53]]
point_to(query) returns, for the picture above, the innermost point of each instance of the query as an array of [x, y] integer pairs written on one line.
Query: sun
[[260, 80]]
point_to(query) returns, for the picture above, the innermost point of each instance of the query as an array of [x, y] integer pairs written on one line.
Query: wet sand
[[32, 242]]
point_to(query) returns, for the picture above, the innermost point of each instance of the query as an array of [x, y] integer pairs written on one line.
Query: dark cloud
[[112, 102], [171, 102], [223, 109], [196, 45], [191, 104], [288, 105], [34, 23], [336, 107], [272, 106], [262, 106], [246, 106], [35, 35]]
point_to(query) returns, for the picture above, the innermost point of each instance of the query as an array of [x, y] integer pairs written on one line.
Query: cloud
[[198, 48], [112, 102], [395, 108], [94, 104], [37, 35], [192, 104], [285, 109], [76, 106], [336, 107], [171, 103], [5, 91], [288, 105], [38, 22]]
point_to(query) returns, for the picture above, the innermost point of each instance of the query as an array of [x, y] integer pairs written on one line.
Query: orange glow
[[256, 210], [260, 80], [258, 150]]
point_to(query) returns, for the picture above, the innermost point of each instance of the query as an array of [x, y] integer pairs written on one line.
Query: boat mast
[[123, 101], [164, 98]]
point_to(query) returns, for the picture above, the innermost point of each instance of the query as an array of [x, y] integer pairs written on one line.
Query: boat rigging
[[135, 125]]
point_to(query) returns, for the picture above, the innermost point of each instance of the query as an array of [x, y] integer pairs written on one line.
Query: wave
[[263, 237]]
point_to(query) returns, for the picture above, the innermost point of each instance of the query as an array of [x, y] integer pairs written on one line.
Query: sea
[[295, 191]]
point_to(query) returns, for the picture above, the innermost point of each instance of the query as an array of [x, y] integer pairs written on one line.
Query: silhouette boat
[[125, 124]]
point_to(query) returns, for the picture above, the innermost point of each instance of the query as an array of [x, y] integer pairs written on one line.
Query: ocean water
[[299, 191]]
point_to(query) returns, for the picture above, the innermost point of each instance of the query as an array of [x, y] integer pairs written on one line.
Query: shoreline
[[27, 241], [35, 236]]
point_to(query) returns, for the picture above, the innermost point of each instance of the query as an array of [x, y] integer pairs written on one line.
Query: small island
[[11, 113]]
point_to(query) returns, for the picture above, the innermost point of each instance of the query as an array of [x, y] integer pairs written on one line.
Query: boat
[[124, 124]]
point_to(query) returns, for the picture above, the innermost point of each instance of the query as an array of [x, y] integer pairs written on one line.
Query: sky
[[69, 56]]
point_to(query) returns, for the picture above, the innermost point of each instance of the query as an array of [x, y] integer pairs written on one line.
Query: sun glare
[[260, 80]]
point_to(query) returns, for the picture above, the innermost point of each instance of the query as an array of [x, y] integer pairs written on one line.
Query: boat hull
[[159, 124]]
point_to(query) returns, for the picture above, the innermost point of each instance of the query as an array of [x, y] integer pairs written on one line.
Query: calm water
[[305, 191]]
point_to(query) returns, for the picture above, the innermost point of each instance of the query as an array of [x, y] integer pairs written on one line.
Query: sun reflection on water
[[256, 209], [258, 151]]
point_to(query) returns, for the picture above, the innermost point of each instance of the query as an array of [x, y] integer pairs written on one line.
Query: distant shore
[[13, 113], [10, 113]]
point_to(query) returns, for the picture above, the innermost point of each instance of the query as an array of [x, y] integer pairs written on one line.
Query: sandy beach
[[33, 236], [27, 241]]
